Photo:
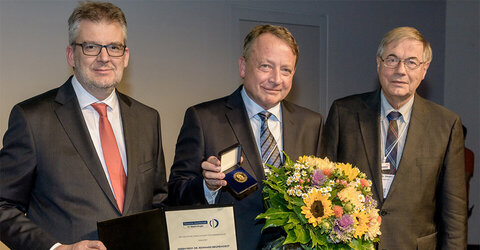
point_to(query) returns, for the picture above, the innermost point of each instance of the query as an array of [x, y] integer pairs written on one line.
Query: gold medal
[[240, 177]]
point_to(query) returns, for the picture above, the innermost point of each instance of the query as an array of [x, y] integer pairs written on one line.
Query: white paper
[[387, 180], [204, 228]]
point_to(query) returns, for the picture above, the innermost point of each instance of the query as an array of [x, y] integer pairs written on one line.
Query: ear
[[70, 56], [378, 63], [425, 68], [242, 66], [126, 56]]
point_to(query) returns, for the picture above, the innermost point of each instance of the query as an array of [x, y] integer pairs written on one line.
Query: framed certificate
[[205, 227], [174, 228]]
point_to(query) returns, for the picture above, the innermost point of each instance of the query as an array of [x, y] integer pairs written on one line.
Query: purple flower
[[318, 177], [345, 222], [343, 229]]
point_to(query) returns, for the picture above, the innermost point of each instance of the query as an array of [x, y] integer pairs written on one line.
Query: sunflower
[[362, 219], [317, 207]]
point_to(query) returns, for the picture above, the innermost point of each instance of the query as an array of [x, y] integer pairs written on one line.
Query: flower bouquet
[[321, 205]]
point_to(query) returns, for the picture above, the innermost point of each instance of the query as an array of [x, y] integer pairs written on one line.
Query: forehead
[[269, 44], [404, 48], [100, 32]]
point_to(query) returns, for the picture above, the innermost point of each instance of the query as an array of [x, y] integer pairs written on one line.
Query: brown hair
[[278, 31]]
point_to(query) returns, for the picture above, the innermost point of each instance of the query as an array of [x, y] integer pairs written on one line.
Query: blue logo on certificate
[[198, 223], [214, 223]]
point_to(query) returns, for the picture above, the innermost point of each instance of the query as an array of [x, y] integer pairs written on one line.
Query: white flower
[[297, 176], [297, 166], [291, 192], [298, 193], [289, 181], [361, 198], [304, 173]]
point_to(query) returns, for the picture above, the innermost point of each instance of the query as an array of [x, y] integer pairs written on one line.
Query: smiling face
[[268, 72], [99, 75], [399, 84]]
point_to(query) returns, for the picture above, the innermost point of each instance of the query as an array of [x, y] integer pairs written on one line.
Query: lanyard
[[395, 142]]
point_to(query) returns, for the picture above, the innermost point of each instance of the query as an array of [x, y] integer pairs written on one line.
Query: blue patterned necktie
[[270, 152], [391, 145]]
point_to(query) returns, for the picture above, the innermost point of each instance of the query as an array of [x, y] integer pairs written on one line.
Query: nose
[[103, 56], [275, 76], [401, 68]]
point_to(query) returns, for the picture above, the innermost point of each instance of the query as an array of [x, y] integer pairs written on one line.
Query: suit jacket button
[[383, 212]]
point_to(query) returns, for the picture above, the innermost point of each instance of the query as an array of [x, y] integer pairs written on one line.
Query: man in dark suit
[[411, 148], [267, 68], [68, 160]]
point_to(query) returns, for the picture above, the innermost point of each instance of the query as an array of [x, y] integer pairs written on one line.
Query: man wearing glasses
[[411, 148], [83, 152]]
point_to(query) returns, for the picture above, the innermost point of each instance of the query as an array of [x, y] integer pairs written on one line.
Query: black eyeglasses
[[93, 49], [393, 62]]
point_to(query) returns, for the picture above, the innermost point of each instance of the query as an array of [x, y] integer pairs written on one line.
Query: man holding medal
[[254, 116], [412, 149]]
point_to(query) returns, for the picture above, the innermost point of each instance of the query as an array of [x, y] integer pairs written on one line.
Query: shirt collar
[[253, 108], [85, 98], [405, 110]]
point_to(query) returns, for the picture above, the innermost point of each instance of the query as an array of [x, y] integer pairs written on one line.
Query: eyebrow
[[412, 57]]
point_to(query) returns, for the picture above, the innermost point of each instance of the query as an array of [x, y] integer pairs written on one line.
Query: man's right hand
[[214, 178], [85, 244]]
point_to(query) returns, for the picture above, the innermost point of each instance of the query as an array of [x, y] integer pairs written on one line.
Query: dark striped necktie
[[270, 152], [391, 146]]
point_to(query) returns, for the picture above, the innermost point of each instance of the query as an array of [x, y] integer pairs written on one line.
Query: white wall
[[185, 52]]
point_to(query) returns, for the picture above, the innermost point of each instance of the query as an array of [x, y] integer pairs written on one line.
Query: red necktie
[[111, 155]]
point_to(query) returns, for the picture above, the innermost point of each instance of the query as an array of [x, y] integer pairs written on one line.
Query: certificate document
[[201, 228]]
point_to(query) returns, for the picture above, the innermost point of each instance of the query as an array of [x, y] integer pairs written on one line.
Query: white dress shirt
[[91, 118], [274, 124], [402, 122]]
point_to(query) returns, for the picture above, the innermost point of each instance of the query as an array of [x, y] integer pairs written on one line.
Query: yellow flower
[[362, 220], [317, 207], [316, 163], [350, 194], [373, 225], [348, 170]]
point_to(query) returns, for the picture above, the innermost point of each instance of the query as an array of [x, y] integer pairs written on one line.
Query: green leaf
[[274, 213], [359, 244], [291, 237], [301, 234], [300, 216], [293, 219], [273, 223]]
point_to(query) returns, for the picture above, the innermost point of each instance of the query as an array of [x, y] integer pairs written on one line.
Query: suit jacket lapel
[[238, 118], [130, 134], [368, 120], [71, 117], [289, 132], [417, 127]]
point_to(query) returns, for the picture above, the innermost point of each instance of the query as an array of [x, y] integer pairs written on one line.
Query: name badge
[[385, 166]]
